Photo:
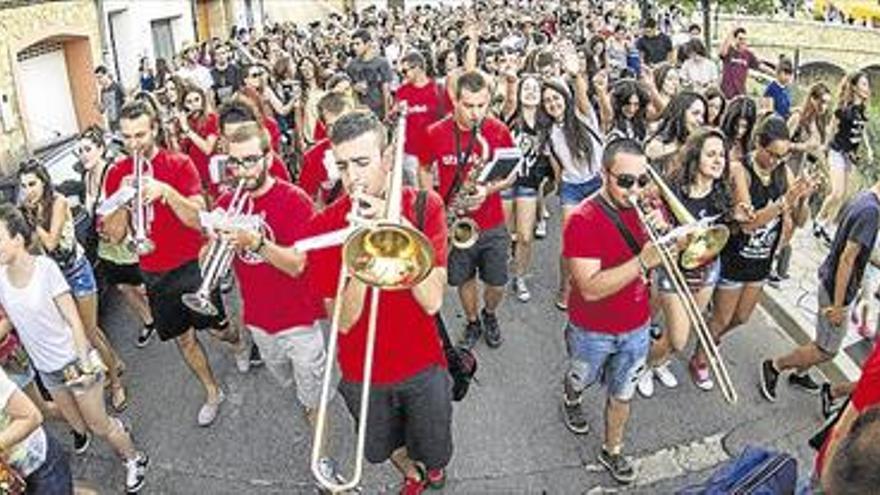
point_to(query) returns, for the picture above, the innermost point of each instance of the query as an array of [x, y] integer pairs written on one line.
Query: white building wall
[[133, 36]]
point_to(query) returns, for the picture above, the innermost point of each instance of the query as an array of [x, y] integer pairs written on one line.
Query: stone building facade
[[47, 88]]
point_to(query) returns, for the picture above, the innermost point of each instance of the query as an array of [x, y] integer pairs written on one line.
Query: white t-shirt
[[29, 454], [699, 71], [577, 171], [45, 334]]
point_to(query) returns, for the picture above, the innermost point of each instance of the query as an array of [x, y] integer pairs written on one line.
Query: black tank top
[[747, 257]]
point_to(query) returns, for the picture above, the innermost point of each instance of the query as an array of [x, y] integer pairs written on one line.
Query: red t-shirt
[[209, 126], [286, 211], [313, 177], [320, 131], [274, 133], [589, 233], [278, 170], [407, 341], [439, 147], [425, 106], [865, 395], [176, 243]]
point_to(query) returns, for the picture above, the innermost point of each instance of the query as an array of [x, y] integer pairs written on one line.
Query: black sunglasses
[[246, 162], [627, 181]]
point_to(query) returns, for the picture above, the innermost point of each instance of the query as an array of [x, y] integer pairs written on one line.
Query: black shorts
[[416, 413], [121, 274], [488, 256], [172, 317]]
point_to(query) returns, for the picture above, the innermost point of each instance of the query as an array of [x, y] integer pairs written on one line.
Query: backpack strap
[[420, 207]]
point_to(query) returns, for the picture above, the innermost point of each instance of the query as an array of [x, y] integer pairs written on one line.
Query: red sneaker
[[412, 486], [436, 478]]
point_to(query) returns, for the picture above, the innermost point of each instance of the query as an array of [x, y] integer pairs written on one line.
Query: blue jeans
[[53, 477], [616, 359], [81, 278], [571, 194]]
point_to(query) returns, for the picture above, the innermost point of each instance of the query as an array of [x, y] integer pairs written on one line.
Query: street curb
[[841, 369]]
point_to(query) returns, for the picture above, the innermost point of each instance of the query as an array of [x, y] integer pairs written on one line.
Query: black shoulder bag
[[461, 362]]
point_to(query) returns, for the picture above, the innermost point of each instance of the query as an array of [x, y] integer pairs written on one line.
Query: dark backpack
[[461, 362], [755, 472]]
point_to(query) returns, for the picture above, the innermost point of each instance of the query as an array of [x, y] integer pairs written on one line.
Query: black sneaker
[[256, 358], [829, 405], [145, 335], [81, 441], [804, 382], [769, 377], [472, 333], [819, 232], [493, 331], [774, 280], [619, 466], [575, 420]]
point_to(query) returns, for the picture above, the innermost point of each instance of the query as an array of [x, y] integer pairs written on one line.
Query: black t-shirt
[[861, 218], [375, 72], [226, 82], [654, 49], [851, 125]]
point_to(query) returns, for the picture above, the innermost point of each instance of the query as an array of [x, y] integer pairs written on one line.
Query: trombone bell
[[703, 246], [389, 256]]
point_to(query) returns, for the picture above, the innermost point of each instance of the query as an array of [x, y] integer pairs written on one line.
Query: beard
[[252, 184]]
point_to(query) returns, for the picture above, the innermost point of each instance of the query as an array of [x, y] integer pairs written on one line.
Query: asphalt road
[[509, 436]]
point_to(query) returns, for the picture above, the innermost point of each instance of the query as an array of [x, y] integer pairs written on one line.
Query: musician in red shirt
[[288, 335], [410, 398], [455, 146], [173, 191], [199, 128], [608, 310], [318, 176]]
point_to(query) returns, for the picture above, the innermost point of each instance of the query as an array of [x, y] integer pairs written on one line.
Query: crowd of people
[[611, 111]]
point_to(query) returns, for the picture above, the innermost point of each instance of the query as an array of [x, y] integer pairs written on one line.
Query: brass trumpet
[[385, 255], [704, 243], [142, 213], [220, 255]]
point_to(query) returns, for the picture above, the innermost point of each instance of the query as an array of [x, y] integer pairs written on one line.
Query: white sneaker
[[135, 472], [208, 412], [664, 374], [243, 360], [646, 384], [522, 291], [541, 229]]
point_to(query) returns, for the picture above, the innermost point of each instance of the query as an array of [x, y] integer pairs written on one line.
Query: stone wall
[[848, 47], [71, 20]]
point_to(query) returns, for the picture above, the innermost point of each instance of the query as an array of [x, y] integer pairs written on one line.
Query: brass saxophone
[[463, 230]]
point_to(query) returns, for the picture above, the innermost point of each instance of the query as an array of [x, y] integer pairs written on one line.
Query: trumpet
[[221, 252], [704, 243], [463, 230], [385, 255], [142, 213]]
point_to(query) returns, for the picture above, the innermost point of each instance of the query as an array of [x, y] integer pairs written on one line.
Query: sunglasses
[[82, 150], [258, 73], [246, 162], [627, 181]]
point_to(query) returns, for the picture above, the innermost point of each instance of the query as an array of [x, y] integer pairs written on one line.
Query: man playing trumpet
[[286, 331], [608, 310], [410, 408], [173, 190]]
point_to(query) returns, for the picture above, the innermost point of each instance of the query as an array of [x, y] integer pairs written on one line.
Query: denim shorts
[[54, 380], [829, 338], [618, 360], [571, 194], [22, 378], [81, 278], [517, 191]]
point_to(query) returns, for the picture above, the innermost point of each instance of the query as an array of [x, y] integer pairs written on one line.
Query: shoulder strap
[[615, 218], [420, 207]]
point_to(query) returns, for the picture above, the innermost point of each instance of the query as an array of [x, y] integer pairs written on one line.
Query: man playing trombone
[[172, 189], [607, 334], [287, 333], [410, 408]]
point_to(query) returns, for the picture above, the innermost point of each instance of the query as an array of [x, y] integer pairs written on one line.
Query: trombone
[[385, 255], [704, 243], [142, 214], [220, 253]]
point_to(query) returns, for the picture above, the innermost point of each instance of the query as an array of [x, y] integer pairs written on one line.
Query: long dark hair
[[710, 94], [577, 135], [810, 112], [741, 107], [35, 167], [620, 96], [673, 120], [686, 166], [770, 129], [516, 121]]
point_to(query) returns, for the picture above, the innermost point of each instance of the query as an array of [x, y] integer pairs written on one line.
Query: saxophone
[[463, 230]]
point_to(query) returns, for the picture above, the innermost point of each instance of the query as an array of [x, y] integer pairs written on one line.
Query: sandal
[[118, 398]]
